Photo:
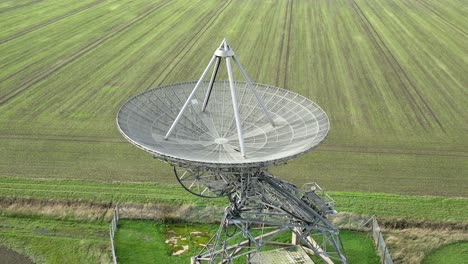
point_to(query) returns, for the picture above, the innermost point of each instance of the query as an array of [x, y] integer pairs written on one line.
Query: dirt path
[[8, 256]]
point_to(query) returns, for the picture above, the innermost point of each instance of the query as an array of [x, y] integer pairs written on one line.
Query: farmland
[[391, 81], [391, 75]]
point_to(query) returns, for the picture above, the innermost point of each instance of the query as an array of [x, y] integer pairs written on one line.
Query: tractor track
[[390, 148], [72, 139], [324, 148], [34, 28], [136, 59], [6, 78], [50, 21], [19, 6], [392, 151], [430, 9], [368, 28], [286, 69], [191, 42], [69, 59], [283, 33], [54, 135], [398, 69]]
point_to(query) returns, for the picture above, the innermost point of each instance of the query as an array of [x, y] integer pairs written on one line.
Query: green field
[[53, 241], [453, 253], [390, 74]]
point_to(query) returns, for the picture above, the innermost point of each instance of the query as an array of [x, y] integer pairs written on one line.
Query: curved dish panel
[[210, 138]]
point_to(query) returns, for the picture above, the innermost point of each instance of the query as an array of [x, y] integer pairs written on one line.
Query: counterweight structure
[[221, 136]]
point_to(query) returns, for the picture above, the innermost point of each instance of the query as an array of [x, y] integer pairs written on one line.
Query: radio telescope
[[220, 137]]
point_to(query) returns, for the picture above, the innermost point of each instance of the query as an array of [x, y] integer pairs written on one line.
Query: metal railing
[[380, 242], [113, 228]]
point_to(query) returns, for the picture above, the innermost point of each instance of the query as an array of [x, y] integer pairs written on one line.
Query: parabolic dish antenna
[[223, 135], [210, 138]]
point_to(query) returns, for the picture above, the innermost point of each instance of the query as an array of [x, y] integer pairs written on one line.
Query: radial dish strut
[[223, 52]]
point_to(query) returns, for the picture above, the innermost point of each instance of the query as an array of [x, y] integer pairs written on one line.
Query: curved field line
[[325, 148], [395, 148], [278, 66], [286, 70], [425, 5], [88, 48], [6, 78], [34, 28], [359, 151], [368, 28], [397, 68], [64, 139], [156, 196], [136, 59], [56, 135], [19, 6], [192, 41], [76, 186], [50, 21]]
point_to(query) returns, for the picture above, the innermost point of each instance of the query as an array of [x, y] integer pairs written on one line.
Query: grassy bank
[[105, 193]]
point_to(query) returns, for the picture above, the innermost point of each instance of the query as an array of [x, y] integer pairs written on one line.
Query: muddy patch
[[180, 239]]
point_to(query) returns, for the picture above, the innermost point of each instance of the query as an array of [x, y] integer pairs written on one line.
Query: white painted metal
[[249, 83], [209, 139], [190, 98], [235, 107], [234, 131], [210, 85]]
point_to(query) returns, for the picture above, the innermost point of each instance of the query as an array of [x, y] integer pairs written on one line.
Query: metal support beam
[[235, 106], [249, 83], [323, 255], [223, 52], [190, 98], [256, 203], [210, 85]]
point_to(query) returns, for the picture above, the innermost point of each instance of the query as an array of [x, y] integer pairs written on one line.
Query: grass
[[453, 253], [144, 241], [390, 75], [382, 205], [359, 247], [53, 241], [413, 245]]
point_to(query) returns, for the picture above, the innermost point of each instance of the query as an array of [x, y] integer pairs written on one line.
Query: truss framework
[[276, 124], [261, 208]]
